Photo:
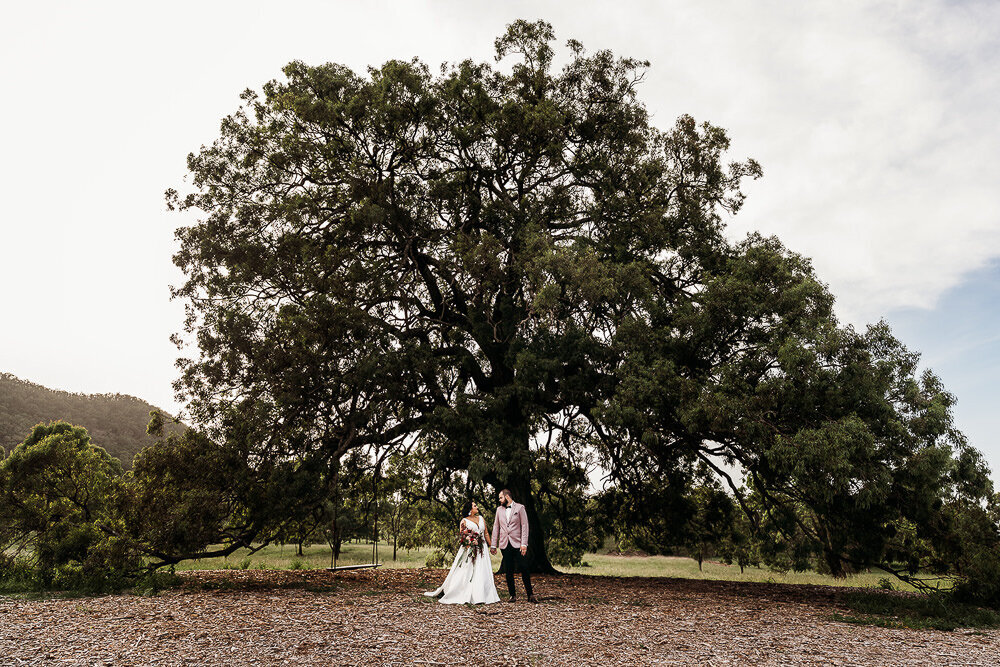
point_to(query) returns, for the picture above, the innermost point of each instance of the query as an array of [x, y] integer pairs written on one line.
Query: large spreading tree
[[497, 260]]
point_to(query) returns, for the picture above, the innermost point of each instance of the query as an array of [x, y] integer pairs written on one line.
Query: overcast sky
[[876, 124]]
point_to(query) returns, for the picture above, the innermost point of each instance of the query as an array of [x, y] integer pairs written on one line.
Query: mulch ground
[[380, 618]]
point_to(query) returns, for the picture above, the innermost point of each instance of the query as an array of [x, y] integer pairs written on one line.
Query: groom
[[510, 533]]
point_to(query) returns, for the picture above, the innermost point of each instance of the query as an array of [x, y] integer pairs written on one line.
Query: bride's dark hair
[[466, 508]]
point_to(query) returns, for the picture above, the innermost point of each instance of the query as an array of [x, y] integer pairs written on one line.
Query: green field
[[277, 557]]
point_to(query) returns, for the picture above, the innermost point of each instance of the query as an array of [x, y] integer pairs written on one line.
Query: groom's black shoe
[[532, 598], [512, 598]]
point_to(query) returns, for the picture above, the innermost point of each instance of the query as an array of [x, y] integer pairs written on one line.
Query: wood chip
[[380, 618]]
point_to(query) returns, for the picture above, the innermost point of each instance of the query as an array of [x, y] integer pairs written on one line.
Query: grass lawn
[[687, 568], [317, 556]]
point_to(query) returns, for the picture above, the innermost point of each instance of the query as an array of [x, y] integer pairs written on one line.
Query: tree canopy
[[511, 265], [57, 489]]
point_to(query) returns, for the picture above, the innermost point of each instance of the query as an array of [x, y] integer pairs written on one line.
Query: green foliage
[[71, 519], [186, 492], [971, 547], [648, 518], [349, 512], [850, 455], [17, 574], [152, 582], [741, 543], [567, 514], [436, 559], [56, 508], [710, 521]]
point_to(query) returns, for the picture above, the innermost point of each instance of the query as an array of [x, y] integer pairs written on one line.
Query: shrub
[[436, 559], [153, 582], [980, 584], [16, 574], [565, 553]]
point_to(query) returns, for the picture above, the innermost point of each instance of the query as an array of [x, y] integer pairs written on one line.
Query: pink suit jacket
[[514, 532]]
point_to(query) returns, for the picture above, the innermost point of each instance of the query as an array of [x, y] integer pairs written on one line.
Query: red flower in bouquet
[[472, 541]]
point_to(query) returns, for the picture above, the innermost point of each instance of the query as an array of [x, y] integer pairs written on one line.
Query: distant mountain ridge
[[116, 422]]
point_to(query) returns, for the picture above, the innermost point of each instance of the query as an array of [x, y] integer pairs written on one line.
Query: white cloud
[[876, 128]]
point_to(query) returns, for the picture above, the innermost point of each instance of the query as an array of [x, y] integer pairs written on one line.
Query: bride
[[470, 578]]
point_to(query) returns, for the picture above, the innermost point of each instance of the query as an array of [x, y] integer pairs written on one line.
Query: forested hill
[[116, 422]]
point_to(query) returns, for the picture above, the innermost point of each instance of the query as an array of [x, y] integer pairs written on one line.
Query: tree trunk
[[835, 563], [395, 541], [538, 558], [515, 449], [831, 553]]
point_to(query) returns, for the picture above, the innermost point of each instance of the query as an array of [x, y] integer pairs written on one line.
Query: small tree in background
[[740, 544], [400, 492], [710, 521]]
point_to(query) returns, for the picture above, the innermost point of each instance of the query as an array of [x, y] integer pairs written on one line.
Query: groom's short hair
[[506, 492]]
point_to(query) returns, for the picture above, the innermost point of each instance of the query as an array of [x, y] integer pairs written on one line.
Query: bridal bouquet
[[472, 541]]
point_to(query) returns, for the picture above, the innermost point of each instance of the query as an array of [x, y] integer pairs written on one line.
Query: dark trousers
[[513, 560]]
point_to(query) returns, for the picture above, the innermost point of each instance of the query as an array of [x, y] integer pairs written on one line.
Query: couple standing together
[[470, 579]]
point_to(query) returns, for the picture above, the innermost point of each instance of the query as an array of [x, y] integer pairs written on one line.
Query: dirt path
[[314, 618]]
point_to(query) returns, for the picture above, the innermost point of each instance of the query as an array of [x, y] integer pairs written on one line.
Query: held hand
[[524, 550]]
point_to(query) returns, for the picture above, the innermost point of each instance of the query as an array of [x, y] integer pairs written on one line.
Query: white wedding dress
[[469, 580]]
